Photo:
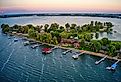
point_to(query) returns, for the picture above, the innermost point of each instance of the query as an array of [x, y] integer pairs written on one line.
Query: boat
[[46, 50], [15, 39], [113, 67], [26, 43], [75, 56]]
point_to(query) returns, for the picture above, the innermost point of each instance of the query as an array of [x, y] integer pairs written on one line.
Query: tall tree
[[5, 28], [46, 27], [96, 35], [67, 25]]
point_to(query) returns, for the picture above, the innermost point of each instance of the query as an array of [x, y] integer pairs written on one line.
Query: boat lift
[[113, 67], [35, 46], [97, 62]]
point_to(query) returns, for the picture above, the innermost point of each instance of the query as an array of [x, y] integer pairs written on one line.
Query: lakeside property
[[27, 63], [71, 36]]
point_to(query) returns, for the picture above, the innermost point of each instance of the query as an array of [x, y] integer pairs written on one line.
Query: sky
[[10, 6]]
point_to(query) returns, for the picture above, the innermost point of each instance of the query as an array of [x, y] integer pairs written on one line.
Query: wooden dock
[[97, 62], [67, 51], [77, 55], [113, 66]]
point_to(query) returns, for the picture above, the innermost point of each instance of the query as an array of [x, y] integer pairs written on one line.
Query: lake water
[[19, 63], [35, 20]]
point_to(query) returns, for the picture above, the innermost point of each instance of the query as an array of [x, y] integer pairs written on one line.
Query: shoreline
[[104, 15], [73, 49]]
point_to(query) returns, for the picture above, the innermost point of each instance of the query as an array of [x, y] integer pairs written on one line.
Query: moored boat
[[46, 50], [26, 43], [15, 39]]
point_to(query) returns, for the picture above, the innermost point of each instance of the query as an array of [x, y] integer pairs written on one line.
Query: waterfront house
[[70, 42]]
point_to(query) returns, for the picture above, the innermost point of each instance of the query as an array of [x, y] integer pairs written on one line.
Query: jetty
[[77, 55], [86, 52], [34, 46], [113, 66], [54, 48], [67, 51], [97, 62]]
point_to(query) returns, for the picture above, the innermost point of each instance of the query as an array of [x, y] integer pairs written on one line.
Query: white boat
[[108, 68], [15, 39], [26, 43], [75, 56]]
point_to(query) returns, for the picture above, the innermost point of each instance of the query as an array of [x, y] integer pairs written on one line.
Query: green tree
[[87, 37], [31, 26], [92, 23], [38, 28], [15, 26], [53, 27], [111, 50], [49, 38], [105, 41], [73, 26], [95, 46], [67, 25], [64, 35], [32, 33], [82, 42], [55, 41], [117, 45], [5, 28], [46, 27], [26, 28], [96, 35]]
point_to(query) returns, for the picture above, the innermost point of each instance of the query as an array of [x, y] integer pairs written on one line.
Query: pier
[[34, 46], [113, 67], [67, 51], [77, 55], [97, 62], [54, 48]]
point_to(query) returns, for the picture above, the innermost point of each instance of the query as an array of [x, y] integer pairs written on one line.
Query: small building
[[72, 42]]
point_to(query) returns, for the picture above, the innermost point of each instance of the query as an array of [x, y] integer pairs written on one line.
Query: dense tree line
[[54, 32]]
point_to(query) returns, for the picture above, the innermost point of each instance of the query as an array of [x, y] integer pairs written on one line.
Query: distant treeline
[[64, 14]]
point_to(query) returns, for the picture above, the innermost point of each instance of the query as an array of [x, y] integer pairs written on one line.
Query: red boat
[[46, 50]]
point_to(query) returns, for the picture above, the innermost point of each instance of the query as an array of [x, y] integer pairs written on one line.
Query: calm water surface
[[35, 20], [19, 63]]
